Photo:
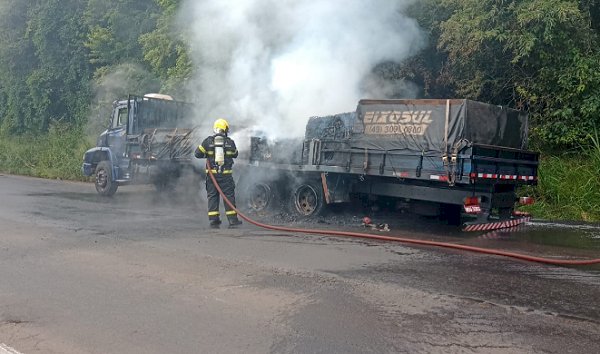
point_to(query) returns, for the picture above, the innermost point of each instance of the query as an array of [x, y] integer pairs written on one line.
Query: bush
[[57, 154], [569, 186]]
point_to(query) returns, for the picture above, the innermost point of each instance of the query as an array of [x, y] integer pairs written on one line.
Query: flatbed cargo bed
[[442, 152]]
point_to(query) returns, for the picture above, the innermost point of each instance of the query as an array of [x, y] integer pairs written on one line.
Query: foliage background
[[61, 61]]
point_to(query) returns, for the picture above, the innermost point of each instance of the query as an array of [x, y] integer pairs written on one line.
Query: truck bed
[[472, 163], [437, 156]]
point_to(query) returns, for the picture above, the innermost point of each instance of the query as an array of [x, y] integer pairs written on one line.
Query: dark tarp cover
[[420, 125], [337, 127]]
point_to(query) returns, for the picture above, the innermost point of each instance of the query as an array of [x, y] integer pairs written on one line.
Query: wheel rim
[[101, 178], [306, 200], [260, 196]]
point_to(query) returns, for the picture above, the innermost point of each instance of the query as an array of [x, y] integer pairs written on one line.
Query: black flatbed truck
[[460, 159]]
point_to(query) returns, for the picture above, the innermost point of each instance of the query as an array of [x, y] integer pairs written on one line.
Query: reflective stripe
[[201, 148], [231, 212], [231, 152], [213, 213], [226, 172], [210, 153]]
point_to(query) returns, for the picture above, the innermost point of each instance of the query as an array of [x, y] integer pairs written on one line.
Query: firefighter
[[220, 151]]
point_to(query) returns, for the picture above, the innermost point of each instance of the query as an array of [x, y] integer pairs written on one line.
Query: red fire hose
[[401, 239]]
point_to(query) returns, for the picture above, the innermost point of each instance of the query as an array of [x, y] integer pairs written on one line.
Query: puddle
[[561, 235]]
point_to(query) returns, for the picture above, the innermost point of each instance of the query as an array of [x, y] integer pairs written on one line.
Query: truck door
[[117, 133]]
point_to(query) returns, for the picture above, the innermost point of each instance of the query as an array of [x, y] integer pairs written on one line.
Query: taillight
[[526, 200], [471, 205], [472, 201]]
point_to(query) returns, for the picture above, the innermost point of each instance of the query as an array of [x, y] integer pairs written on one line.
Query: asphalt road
[[142, 273]]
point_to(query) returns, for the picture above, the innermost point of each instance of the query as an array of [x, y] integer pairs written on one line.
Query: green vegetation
[[61, 60], [57, 154], [569, 187]]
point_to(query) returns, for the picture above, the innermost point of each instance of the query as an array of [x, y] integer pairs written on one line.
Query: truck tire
[[307, 199], [105, 186], [257, 196]]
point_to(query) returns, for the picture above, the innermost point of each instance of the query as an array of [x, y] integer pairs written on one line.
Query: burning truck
[[460, 159]]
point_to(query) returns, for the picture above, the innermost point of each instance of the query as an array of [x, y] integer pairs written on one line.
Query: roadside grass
[[56, 155], [569, 186]]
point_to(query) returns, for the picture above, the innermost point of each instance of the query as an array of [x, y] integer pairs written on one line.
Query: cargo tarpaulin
[[337, 127], [436, 126]]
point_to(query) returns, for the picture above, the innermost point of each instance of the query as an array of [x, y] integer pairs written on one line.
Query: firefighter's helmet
[[221, 126]]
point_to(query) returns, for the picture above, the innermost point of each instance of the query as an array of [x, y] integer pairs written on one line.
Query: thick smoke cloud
[[271, 64]]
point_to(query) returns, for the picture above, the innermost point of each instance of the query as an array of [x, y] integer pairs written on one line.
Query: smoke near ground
[[268, 65]]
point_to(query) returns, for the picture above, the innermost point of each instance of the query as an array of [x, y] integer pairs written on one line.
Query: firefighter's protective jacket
[[207, 150]]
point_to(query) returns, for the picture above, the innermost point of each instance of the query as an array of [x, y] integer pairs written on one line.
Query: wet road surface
[[141, 273]]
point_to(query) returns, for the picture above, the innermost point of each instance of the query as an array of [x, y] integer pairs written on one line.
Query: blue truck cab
[[149, 140]]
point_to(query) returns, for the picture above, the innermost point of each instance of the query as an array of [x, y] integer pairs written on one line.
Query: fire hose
[[496, 252]]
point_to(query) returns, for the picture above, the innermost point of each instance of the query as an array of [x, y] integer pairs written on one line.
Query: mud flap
[[495, 225]]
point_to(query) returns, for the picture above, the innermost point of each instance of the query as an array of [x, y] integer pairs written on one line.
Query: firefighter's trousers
[[227, 185]]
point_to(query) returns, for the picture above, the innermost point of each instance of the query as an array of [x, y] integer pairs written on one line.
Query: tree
[[17, 60], [53, 53], [538, 55], [59, 85], [166, 51], [115, 27]]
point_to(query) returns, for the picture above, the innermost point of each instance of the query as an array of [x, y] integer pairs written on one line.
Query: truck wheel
[[257, 196], [307, 199], [105, 186]]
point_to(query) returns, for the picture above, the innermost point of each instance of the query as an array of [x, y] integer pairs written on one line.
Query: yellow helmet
[[221, 126]]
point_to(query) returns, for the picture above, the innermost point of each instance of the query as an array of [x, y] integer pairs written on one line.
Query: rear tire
[[258, 196], [105, 186], [307, 199]]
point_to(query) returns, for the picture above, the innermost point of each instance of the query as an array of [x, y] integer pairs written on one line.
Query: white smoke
[[271, 64], [117, 84]]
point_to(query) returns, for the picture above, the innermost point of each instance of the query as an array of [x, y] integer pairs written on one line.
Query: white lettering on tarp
[[397, 122]]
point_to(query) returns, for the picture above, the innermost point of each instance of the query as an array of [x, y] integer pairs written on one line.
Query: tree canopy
[[54, 54]]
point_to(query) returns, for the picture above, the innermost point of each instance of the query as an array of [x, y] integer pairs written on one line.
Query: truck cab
[[149, 140]]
